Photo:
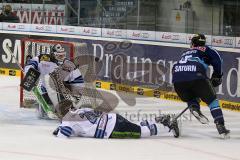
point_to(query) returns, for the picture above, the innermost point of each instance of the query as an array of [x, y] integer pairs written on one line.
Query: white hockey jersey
[[86, 122], [46, 67]]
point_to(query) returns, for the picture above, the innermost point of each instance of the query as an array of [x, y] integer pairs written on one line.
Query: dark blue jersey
[[194, 64]]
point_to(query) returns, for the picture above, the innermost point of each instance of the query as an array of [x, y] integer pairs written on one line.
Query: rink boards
[[160, 55]]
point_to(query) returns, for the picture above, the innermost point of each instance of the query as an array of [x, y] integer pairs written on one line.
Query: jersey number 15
[[185, 59]]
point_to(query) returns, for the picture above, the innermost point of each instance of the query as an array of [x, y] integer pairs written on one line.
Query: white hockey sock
[[145, 132]]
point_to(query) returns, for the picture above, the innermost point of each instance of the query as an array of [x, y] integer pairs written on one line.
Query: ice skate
[[198, 114], [223, 132], [171, 124]]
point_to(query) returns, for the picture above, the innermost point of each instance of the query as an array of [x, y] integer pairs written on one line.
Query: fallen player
[[87, 122]]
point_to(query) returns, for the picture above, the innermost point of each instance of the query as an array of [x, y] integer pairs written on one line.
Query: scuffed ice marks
[[21, 116]]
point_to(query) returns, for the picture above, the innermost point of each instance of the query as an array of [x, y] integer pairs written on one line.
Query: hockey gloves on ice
[[216, 79]]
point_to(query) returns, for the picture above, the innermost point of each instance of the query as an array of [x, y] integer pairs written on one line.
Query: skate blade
[[225, 136], [201, 119]]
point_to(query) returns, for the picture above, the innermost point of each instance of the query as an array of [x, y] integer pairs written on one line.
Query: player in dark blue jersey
[[192, 83]]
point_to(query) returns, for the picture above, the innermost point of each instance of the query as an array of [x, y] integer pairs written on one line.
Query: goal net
[[34, 47]]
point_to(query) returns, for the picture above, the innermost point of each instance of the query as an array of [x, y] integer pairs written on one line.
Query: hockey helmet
[[7, 9], [58, 52], [198, 40]]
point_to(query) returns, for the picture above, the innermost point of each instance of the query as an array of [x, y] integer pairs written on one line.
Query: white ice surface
[[24, 137]]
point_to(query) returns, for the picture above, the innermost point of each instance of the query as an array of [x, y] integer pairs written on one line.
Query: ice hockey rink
[[25, 137]]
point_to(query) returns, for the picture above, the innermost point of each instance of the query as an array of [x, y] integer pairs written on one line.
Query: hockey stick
[[201, 120], [36, 91], [180, 114]]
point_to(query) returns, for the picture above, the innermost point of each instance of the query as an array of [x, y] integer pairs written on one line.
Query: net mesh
[[90, 66]]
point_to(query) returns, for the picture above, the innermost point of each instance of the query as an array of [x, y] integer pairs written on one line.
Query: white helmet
[[58, 52]]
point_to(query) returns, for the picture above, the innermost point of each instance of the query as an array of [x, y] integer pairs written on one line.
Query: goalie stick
[[36, 91]]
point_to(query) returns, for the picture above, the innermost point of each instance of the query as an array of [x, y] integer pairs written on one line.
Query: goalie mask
[[58, 52]]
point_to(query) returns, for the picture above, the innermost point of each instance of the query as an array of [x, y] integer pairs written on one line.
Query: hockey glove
[[31, 79], [216, 79]]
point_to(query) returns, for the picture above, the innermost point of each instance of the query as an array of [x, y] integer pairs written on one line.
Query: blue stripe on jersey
[[197, 59], [101, 129], [33, 63], [102, 133], [214, 104], [79, 79], [97, 134], [65, 130], [72, 82]]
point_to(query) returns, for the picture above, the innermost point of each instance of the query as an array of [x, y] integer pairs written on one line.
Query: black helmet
[[58, 52], [198, 40]]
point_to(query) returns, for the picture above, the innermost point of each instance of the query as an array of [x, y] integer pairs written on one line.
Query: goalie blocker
[[30, 80]]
